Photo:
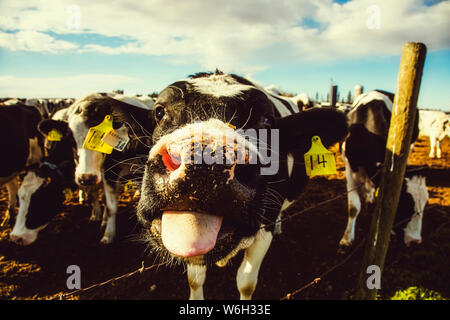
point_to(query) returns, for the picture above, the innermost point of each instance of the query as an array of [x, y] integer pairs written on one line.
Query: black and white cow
[[436, 126], [301, 100], [363, 153], [95, 168], [203, 212], [41, 194], [21, 144]]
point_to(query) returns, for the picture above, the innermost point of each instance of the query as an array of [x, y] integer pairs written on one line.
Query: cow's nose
[[17, 239], [87, 180], [209, 151]]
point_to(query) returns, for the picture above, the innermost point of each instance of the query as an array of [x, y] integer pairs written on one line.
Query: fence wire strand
[[289, 216], [343, 261], [127, 275]]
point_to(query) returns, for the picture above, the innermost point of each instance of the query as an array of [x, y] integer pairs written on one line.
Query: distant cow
[[205, 212], [95, 168], [363, 152], [301, 100], [41, 193], [21, 146], [435, 125]]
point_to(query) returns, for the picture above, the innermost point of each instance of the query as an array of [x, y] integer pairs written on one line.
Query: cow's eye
[[159, 113]]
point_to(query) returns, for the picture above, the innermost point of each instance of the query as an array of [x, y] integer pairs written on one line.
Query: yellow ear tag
[[318, 160], [118, 139], [54, 135], [95, 135], [68, 193], [128, 187]]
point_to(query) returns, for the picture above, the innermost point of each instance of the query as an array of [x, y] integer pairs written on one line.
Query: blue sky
[[71, 48]]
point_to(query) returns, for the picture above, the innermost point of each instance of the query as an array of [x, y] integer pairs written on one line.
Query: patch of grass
[[417, 293]]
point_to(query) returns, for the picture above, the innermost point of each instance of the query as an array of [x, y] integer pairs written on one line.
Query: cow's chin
[[200, 223]]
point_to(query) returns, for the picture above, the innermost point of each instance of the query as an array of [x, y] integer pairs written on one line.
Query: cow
[[147, 100], [435, 125], [205, 212], [21, 144], [136, 101], [363, 152], [301, 100], [41, 105], [41, 193], [95, 168]]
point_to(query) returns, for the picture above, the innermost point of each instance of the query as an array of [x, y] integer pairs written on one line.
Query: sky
[[75, 47]]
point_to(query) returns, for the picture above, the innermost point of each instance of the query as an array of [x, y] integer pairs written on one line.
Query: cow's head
[[41, 192], [203, 190], [90, 112]]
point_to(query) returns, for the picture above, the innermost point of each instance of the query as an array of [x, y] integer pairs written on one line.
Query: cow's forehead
[[216, 85]]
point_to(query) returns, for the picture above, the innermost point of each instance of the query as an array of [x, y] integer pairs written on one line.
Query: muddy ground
[[307, 248]]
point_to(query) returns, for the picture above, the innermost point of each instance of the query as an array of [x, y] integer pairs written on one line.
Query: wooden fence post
[[397, 151]]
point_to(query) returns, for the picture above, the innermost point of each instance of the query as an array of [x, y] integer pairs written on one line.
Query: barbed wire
[[341, 195], [343, 261], [143, 269], [290, 216], [127, 275]]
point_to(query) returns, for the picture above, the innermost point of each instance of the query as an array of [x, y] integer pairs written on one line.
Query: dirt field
[[307, 248]]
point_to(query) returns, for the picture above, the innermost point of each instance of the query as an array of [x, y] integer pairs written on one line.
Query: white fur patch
[[30, 184], [89, 161], [247, 275], [219, 85], [281, 108], [225, 86], [303, 97], [284, 206], [416, 186], [134, 101], [290, 163], [370, 96], [62, 114], [110, 221], [243, 244], [35, 152], [196, 278], [354, 203]]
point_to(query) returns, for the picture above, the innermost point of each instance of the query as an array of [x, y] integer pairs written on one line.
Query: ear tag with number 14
[[318, 160], [95, 135]]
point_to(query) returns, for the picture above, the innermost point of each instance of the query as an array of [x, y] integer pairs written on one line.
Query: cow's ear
[[45, 126], [297, 130]]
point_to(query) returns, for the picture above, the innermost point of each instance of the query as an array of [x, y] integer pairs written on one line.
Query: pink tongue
[[188, 234]]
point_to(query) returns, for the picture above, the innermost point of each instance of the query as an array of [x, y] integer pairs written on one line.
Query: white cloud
[[72, 86], [235, 35], [29, 40]]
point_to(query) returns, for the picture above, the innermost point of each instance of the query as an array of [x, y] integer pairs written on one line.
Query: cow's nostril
[[16, 239], [87, 180], [171, 161]]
